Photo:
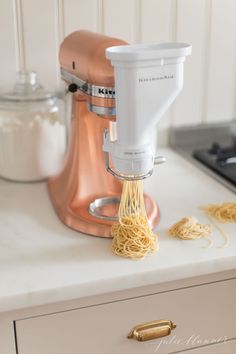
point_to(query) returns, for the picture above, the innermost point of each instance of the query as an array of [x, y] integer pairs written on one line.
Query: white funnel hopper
[[148, 78]]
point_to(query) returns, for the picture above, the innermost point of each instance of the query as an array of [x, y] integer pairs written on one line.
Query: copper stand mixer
[[85, 195]]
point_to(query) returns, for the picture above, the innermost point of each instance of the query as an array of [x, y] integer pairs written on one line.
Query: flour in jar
[[32, 145]]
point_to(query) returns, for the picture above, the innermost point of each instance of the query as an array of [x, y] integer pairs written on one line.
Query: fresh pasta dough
[[189, 228], [225, 212], [132, 236]]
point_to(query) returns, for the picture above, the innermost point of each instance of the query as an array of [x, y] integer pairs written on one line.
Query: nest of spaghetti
[[133, 238], [224, 213], [189, 228]]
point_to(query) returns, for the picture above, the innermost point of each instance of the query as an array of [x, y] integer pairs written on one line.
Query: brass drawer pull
[[152, 330]]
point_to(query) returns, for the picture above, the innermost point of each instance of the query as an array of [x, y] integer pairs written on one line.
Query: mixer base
[[79, 217]]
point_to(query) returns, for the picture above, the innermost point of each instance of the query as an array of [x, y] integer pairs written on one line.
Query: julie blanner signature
[[193, 340]]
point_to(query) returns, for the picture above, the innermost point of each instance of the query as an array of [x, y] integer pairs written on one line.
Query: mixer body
[[84, 195]]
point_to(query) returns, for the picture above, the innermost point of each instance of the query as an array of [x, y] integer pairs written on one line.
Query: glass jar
[[32, 131]]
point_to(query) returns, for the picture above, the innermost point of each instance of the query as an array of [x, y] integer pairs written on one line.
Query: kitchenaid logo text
[[148, 79], [134, 152], [105, 91]]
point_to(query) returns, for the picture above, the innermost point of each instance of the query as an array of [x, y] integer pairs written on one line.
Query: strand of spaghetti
[[225, 212], [210, 243], [221, 231]]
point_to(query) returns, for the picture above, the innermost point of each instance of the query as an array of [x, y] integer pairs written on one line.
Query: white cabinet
[[204, 314]]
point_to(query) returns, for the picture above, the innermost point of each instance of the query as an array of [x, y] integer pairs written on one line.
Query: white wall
[[31, 30]]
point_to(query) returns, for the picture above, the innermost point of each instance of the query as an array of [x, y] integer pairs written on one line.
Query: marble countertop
[[42, 261]]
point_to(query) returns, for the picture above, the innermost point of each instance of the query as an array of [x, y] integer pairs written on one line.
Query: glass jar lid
[[26, 89]]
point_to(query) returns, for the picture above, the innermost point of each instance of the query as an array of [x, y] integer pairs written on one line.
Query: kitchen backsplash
[[31, 31]]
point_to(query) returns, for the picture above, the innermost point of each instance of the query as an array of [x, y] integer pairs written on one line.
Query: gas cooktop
[[222, 160], [210, 147]]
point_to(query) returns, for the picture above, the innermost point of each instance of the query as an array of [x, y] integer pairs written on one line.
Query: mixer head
[[86, 69]]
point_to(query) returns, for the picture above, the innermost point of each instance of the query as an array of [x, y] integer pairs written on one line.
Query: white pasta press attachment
[[148, 78]]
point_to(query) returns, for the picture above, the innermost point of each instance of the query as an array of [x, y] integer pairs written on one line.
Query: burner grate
[[222, 160]]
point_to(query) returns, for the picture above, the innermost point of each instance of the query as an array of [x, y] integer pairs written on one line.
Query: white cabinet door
[[207, 312]]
